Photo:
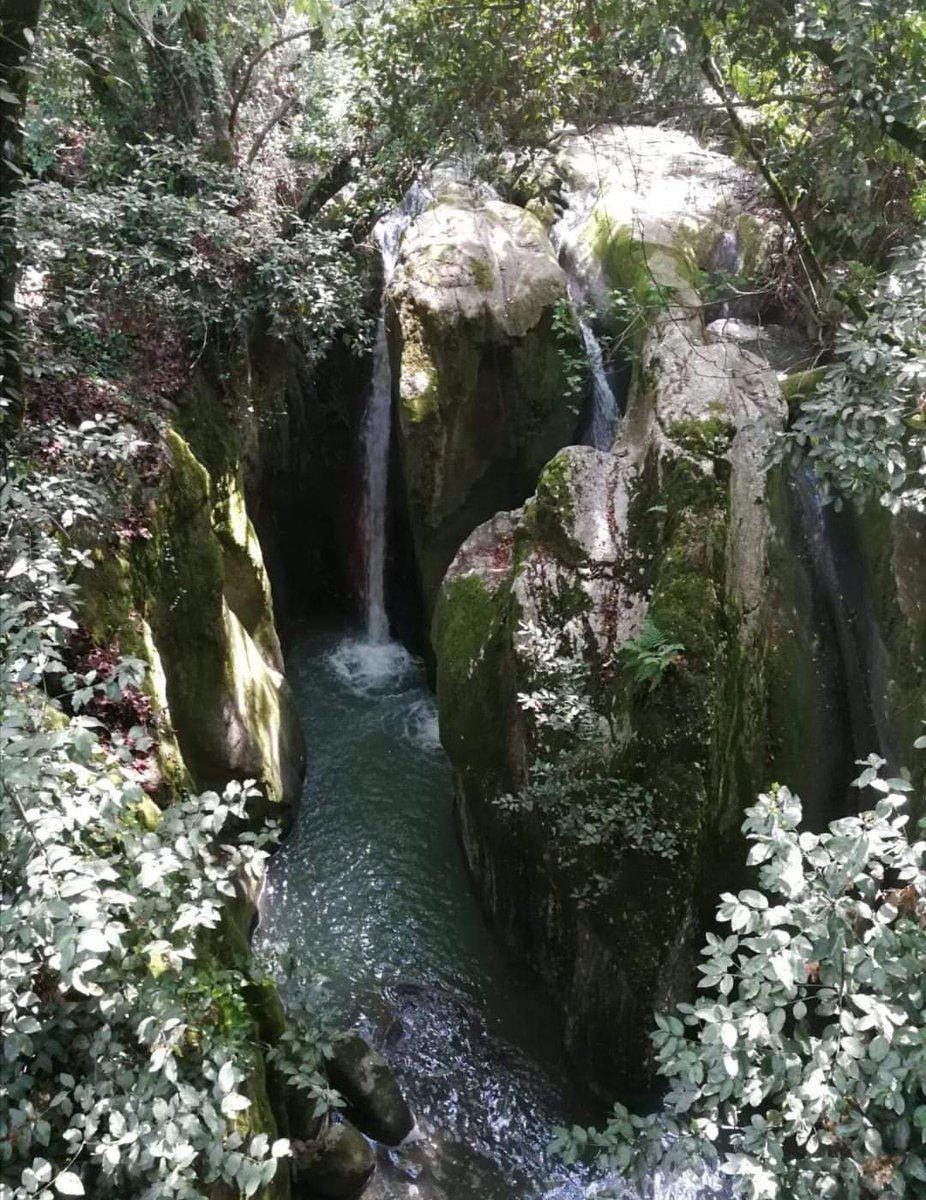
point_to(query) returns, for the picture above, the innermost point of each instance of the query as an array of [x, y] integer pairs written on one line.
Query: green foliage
[[634, 309], [480, 77], [586, 807], [801, 1071], [130, 1047], [570, 786], [650, 654], [571, 352], [165, 239], [863, 430]]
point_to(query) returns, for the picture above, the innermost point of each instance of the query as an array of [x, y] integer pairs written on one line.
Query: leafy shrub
[[572, 355], [650, 654], [130, 1047], [801, 1072], [863, 430], [180, 239]]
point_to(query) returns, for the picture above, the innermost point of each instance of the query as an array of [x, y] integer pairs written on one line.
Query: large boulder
[[375, 1102], [647, 205], [336, 1166], [482, 402], [605, 876], [669, 532]]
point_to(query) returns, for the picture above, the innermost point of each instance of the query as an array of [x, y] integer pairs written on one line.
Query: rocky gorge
[[723, 629], [553, 475]]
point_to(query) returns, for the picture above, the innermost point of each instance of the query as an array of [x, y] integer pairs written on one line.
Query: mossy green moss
[[469, 637], [553, 500], [799, 386], [245, 581], [463, 624], [621, 255], [482, 273]]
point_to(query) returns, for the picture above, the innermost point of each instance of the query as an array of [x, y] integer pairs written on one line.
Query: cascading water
[[605, 414], [604, 417], [376, 428]]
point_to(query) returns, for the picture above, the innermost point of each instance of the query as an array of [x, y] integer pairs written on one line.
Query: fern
[[650, 654]]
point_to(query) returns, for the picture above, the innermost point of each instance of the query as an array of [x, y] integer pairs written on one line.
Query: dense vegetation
[[179, 176]]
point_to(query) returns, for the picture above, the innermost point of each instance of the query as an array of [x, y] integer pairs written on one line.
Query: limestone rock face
[[481, 396], [195, 605], [227, 699], [671, 529]]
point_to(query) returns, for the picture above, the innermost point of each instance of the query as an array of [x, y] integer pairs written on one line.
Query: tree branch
[[815, 272], [318, 40], [337, 175], [280, 113]]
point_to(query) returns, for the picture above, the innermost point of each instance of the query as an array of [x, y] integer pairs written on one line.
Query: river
[[370, 889]]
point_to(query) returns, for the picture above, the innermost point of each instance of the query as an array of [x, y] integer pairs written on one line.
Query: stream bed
[[370, 891]]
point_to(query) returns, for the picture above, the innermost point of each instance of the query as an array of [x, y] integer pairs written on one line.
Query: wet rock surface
[[336, 1166], [375, 1103]]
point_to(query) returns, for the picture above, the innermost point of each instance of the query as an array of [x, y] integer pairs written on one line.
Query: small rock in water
[[336, 1166], [375, 1103]]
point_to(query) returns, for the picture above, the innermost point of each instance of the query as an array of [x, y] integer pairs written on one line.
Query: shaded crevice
[[305, 481], [848, 660]]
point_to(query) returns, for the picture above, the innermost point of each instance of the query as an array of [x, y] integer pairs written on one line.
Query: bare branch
[[318, 40]]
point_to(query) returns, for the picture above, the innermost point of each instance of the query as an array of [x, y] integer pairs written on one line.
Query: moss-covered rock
[[659, 209], [894, 555], [336, 1166], [482, 402], [193, 602], [671, 529], [375, 1103], [230, 707]]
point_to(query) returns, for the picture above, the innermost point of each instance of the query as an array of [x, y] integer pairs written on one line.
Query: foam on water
[[373, 668], [421, 725]]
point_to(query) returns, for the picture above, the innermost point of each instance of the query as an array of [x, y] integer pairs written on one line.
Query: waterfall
[[377, 423], [376, 477], [605, 412]]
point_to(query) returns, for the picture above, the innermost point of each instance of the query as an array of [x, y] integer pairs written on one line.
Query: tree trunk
[[18, 23]]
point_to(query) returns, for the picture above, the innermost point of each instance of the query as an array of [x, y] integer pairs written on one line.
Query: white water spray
[[605, 415], [377, 424]]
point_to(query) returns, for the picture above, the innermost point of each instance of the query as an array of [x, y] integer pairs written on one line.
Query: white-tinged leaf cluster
[[863, 430], [801, 1072], [128, 1045]]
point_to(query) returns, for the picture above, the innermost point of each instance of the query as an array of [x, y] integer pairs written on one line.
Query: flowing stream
[[370, 894], [370, 891]]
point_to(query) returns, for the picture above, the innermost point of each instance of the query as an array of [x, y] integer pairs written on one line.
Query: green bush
[[801, 1071]]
